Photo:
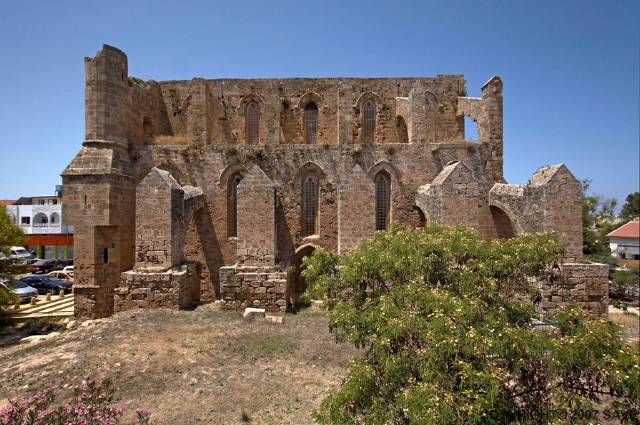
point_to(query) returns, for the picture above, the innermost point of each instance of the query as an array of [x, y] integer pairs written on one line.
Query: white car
[[19, 253]]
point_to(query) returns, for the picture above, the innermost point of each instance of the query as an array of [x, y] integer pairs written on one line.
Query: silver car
[[23, 291]]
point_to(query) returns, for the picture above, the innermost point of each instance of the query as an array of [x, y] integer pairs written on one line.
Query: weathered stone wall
[[550, 202], [247, 286], [356, 203], [585, 285], [159, 221], [178, 287], [453, 197], [213, 111], [256, 219]]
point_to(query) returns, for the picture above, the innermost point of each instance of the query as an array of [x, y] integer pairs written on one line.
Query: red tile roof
[[6, 202], [629, 230]]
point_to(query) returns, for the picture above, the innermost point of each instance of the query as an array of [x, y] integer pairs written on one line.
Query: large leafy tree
[[447, 342], [631, 207], [597, 221], [10, 235]]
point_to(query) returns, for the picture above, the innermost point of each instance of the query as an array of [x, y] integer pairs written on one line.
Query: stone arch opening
[[309, 204], [502, 223], [382, 182], [252, 123], [311, 123], [232, 203], [297, 284], [402, 130], [147, 128], [420, 220]]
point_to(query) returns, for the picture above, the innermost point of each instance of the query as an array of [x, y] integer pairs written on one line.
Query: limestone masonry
[[199, 190]]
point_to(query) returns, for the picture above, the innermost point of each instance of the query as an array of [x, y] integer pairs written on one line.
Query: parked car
[[62, 275], [46, 283], [19, 253], [23, 291], [68, 269], [41, 266]]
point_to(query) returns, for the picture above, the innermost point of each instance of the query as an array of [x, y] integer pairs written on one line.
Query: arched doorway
[[502, 223], [297, 284]]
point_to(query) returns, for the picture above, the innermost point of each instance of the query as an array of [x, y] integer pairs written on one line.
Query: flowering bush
[[447, 342], [91, 406]]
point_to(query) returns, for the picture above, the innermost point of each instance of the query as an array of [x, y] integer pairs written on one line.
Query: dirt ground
[[190, 367], [630, 324]]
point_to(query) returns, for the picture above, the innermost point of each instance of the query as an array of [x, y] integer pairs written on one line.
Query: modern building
[[40, 217], [625, 240]]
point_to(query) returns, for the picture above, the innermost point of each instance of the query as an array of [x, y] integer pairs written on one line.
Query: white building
[[40, 217], [625, 240]]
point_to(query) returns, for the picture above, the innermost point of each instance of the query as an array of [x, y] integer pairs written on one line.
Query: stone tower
[[99, 192]]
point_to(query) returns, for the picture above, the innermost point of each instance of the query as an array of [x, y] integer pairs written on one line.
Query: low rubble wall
[[178, 287], [582, 284], [253, 286]]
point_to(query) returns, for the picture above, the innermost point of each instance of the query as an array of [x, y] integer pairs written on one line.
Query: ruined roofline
[[310, 79]]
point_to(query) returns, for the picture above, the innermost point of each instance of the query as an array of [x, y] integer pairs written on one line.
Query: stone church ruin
[[208, 189]]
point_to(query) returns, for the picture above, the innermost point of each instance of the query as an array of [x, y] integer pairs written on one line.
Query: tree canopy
[[631, 207], [10, 233], [446, 340], [598, 220]]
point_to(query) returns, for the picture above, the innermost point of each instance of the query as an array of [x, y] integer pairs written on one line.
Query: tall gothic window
[[311, 123], [309, 206], [253, 123], [383, 200], [232, 205], [368, 121]]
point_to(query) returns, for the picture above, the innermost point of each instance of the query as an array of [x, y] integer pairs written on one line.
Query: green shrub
[[6, 297], [627, 277], [446, 342]]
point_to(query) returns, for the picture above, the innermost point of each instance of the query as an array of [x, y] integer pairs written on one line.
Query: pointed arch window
[[383, 199], [403, 132], [309, 206], [253, 123], [232, 205], [368, 121], [311, 123]]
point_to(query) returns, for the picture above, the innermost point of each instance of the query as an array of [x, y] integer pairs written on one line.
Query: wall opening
[[470, 130], [420, 219], [502, 223], [382, 182], [309, 206], [401, 128], [311, 123], [232, 205], [368, 122], [147, 128], [297, 285], [40, 219], [253, 123]]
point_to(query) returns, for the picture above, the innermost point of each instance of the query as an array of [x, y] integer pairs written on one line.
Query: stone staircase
[[57, 307]]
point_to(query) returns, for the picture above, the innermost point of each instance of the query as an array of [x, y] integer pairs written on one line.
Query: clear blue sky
[[570, 68]]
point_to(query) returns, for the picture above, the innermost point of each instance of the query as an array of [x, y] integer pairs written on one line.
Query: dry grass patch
[[199, 367], [630, 324]]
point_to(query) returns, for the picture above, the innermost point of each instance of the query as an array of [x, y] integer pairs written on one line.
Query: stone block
[[253, 313]]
